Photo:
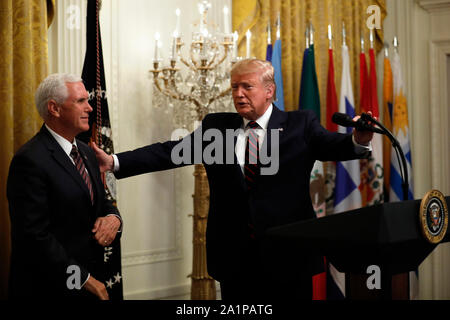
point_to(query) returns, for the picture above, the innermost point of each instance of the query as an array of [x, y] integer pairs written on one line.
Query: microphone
[[345, 120], [399, 152]]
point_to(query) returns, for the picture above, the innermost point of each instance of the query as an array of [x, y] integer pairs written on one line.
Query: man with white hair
[[265, 185], [60, 217]]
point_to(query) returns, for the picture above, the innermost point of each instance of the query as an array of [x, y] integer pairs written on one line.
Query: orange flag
[[388, 98]]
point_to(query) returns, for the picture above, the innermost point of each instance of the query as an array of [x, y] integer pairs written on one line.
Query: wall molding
[[178, 292], [439, 50], [151, 256], [434, 6], [160, 293], [163, 254]]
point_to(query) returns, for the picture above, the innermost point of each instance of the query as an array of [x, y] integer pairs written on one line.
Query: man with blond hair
[[60, 217], [246, 198]]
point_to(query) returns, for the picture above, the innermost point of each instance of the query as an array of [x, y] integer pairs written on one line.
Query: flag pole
[[269, 34], [278, 27], [362, 42], [311, 34], [344, 34], [395, 43], [330, 38], [371, 38], [307, 36]]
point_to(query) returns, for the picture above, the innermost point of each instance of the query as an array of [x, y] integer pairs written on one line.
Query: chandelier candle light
[[204, 85]]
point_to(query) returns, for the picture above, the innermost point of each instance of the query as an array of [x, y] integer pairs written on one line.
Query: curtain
[[295, 15], [23, 65]]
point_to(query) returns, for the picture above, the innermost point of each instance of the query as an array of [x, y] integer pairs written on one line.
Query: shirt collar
[[63, 142], [262, 121]]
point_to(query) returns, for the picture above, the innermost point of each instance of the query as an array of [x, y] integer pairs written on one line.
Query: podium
[[387, 236]]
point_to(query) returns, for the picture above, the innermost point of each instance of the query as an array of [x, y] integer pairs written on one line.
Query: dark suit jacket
[[52, 217], [278, 199]]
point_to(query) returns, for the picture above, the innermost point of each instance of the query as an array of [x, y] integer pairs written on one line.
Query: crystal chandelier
[[194, 85]]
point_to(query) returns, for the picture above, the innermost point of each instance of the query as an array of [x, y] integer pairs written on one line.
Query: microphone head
[[345, 120], [342, 119], [366, 117]]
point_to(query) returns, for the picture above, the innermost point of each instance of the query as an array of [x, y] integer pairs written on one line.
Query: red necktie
[[251, 166], [82, 170]]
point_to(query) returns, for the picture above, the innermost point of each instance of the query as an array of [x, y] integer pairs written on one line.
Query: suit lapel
[[237, 124], [277, 121], [62, 159]]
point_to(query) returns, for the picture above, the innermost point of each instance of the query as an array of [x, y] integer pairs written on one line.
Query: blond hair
[[264, 68]]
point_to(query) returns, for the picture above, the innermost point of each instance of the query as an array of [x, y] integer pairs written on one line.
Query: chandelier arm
[[225, 55], [170, 89], [220, 95], [187, 63], [167, 92], [156, 83], [194, 62], [213, 59], [176, 95]]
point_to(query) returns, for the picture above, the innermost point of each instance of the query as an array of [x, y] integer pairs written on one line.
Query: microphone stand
[[400, 155]]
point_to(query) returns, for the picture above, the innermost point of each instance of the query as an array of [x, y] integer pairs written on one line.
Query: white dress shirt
[[241, 140], [63, 142]]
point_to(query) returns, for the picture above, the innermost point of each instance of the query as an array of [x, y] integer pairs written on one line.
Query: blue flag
[[269, 52], [347, 195], [400, 129], [276, 62]]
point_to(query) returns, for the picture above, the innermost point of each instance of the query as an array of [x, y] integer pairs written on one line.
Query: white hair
[[53, 88]]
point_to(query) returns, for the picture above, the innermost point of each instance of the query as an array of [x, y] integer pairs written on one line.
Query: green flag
[[309, 100], [309, 93]]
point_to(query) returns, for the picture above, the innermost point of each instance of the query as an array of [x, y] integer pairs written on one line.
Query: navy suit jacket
[[277, 199], [52, 217]]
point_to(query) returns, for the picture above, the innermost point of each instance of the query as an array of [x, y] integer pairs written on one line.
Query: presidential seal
[[434, 216]]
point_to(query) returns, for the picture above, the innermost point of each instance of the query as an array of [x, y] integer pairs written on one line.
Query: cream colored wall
[[423, 29], [157, 236]]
